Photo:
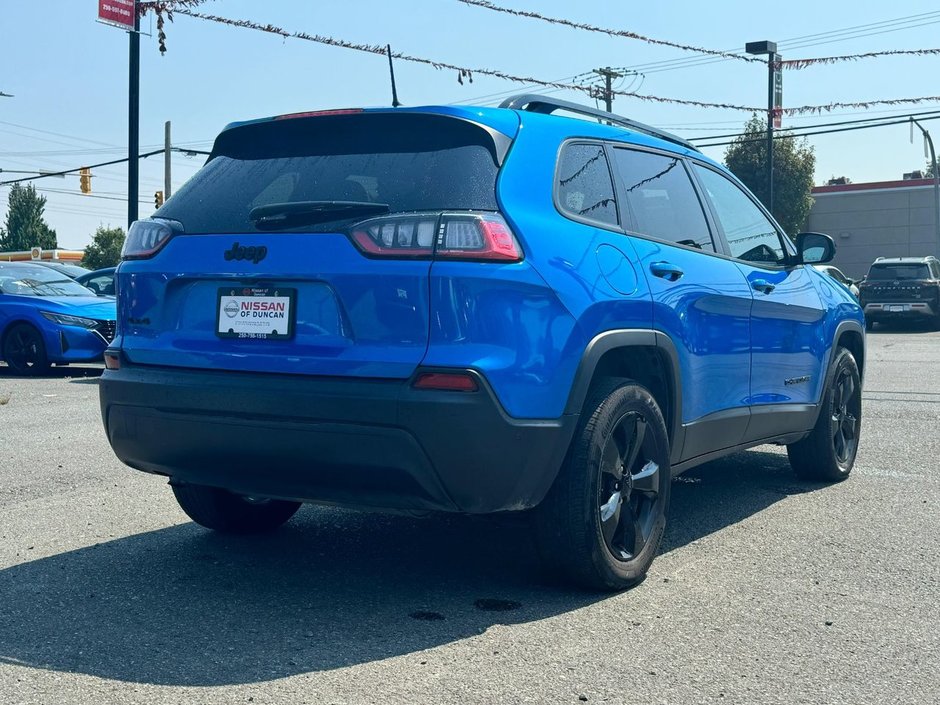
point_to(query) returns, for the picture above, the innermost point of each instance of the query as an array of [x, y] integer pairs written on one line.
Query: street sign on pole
[[119, 13], [778, 93]]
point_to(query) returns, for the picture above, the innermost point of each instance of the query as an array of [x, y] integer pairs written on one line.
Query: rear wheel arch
[[645, 356]]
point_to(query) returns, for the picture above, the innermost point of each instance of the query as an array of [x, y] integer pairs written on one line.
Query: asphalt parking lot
[[768, 590]]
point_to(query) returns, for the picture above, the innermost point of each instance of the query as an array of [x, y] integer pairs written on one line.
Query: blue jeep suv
[[473, 310]]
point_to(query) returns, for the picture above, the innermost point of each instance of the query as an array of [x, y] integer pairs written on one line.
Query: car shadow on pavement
[[183, 606]]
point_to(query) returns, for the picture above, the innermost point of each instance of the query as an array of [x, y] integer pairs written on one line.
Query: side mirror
[[814, 248]]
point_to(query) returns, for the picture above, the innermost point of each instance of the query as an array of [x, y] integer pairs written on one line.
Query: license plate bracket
[[256, 312]]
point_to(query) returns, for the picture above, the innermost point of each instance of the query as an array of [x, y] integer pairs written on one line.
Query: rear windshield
[[899, 271], [410, 162]]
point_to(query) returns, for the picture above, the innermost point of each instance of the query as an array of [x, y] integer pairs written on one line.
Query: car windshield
[[881, 272], [361, 164], [39, 281]]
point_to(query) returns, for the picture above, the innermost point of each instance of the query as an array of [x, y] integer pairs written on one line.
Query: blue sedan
[[48, 318]]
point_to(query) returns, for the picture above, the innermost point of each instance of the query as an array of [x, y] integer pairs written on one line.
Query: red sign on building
[[119, 13]]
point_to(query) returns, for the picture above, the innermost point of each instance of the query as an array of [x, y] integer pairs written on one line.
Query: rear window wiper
[[296, 213]]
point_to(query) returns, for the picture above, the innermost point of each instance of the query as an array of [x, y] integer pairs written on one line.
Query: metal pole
[[771, 60], [608, 90], [936, 181], [167, 151], [133, 121]]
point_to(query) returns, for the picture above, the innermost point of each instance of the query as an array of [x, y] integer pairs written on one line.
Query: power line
[[603, 30], [826, 124], [793, 135], [72, 171], [462, 72]]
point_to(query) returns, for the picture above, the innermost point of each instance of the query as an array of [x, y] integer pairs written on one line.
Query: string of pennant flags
[[168, 8]]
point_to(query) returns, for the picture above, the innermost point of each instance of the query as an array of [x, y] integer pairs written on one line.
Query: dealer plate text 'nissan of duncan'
[[265, 313]]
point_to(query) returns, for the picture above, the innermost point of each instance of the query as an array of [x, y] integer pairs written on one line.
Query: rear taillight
[[147, 236], [452, 235]]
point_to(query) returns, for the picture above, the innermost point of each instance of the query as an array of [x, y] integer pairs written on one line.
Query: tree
[[794, 164], [25, 227], [105, 248]]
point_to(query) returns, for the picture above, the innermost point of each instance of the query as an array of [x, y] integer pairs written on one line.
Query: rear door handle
[[763, 286], [667, 271]]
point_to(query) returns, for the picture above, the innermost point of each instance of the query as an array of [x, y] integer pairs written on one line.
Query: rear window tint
[[410, 162], [585, 189], [661, 200], [899, 271]]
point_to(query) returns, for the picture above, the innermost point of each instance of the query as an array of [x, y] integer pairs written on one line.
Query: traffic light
[[158, 199], [85, 179]]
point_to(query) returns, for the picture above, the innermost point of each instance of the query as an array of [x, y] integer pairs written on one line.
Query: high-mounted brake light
[[317, 113], [452, 235], [147, 236]]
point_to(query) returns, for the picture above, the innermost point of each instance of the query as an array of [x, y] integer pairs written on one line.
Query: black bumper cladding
[[364, 443]]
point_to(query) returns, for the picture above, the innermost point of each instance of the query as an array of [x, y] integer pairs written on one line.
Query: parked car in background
[[100, 281], [902, 288], [73, 271], [46, 317], [473, 310], [837, 274]]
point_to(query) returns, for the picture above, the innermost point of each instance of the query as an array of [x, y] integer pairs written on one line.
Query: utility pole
[[773, 60], [928, 143], [167, 152], [607, 92], [133, 120]]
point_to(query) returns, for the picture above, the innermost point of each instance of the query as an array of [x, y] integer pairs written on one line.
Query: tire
[[593, 528], [869, 324], [24, 351], [221, 510], [827, 454]]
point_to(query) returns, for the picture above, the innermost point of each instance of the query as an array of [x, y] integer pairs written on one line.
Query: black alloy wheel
[[629, 488], [24, 351], [828, 453], [601, 523], [844, 418]]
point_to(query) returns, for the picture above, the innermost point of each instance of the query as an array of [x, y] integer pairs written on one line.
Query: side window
[[750, 234], [661, 200], [585, 189]]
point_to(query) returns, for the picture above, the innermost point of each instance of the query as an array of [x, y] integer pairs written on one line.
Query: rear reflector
[[446, 381], [451, 235], [112, 360]]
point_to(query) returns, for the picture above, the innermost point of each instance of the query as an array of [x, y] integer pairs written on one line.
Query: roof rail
[[535, 103]]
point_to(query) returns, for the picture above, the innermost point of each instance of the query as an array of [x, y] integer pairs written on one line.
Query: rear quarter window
[[584, 189]]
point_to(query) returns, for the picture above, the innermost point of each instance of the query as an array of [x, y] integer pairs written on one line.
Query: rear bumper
[[366, 443], [908, 309]]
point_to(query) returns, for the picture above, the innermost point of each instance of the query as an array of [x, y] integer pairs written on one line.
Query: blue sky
[[69, 77]]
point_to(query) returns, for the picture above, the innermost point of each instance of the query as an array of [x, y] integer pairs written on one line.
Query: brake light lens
[[452, 235], [317, 113], [147, 236]]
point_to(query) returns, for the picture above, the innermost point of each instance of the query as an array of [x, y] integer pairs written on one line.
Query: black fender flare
[[632, 338]]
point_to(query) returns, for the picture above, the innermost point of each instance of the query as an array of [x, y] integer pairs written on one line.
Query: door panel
[[787, 350], [701, 301]]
